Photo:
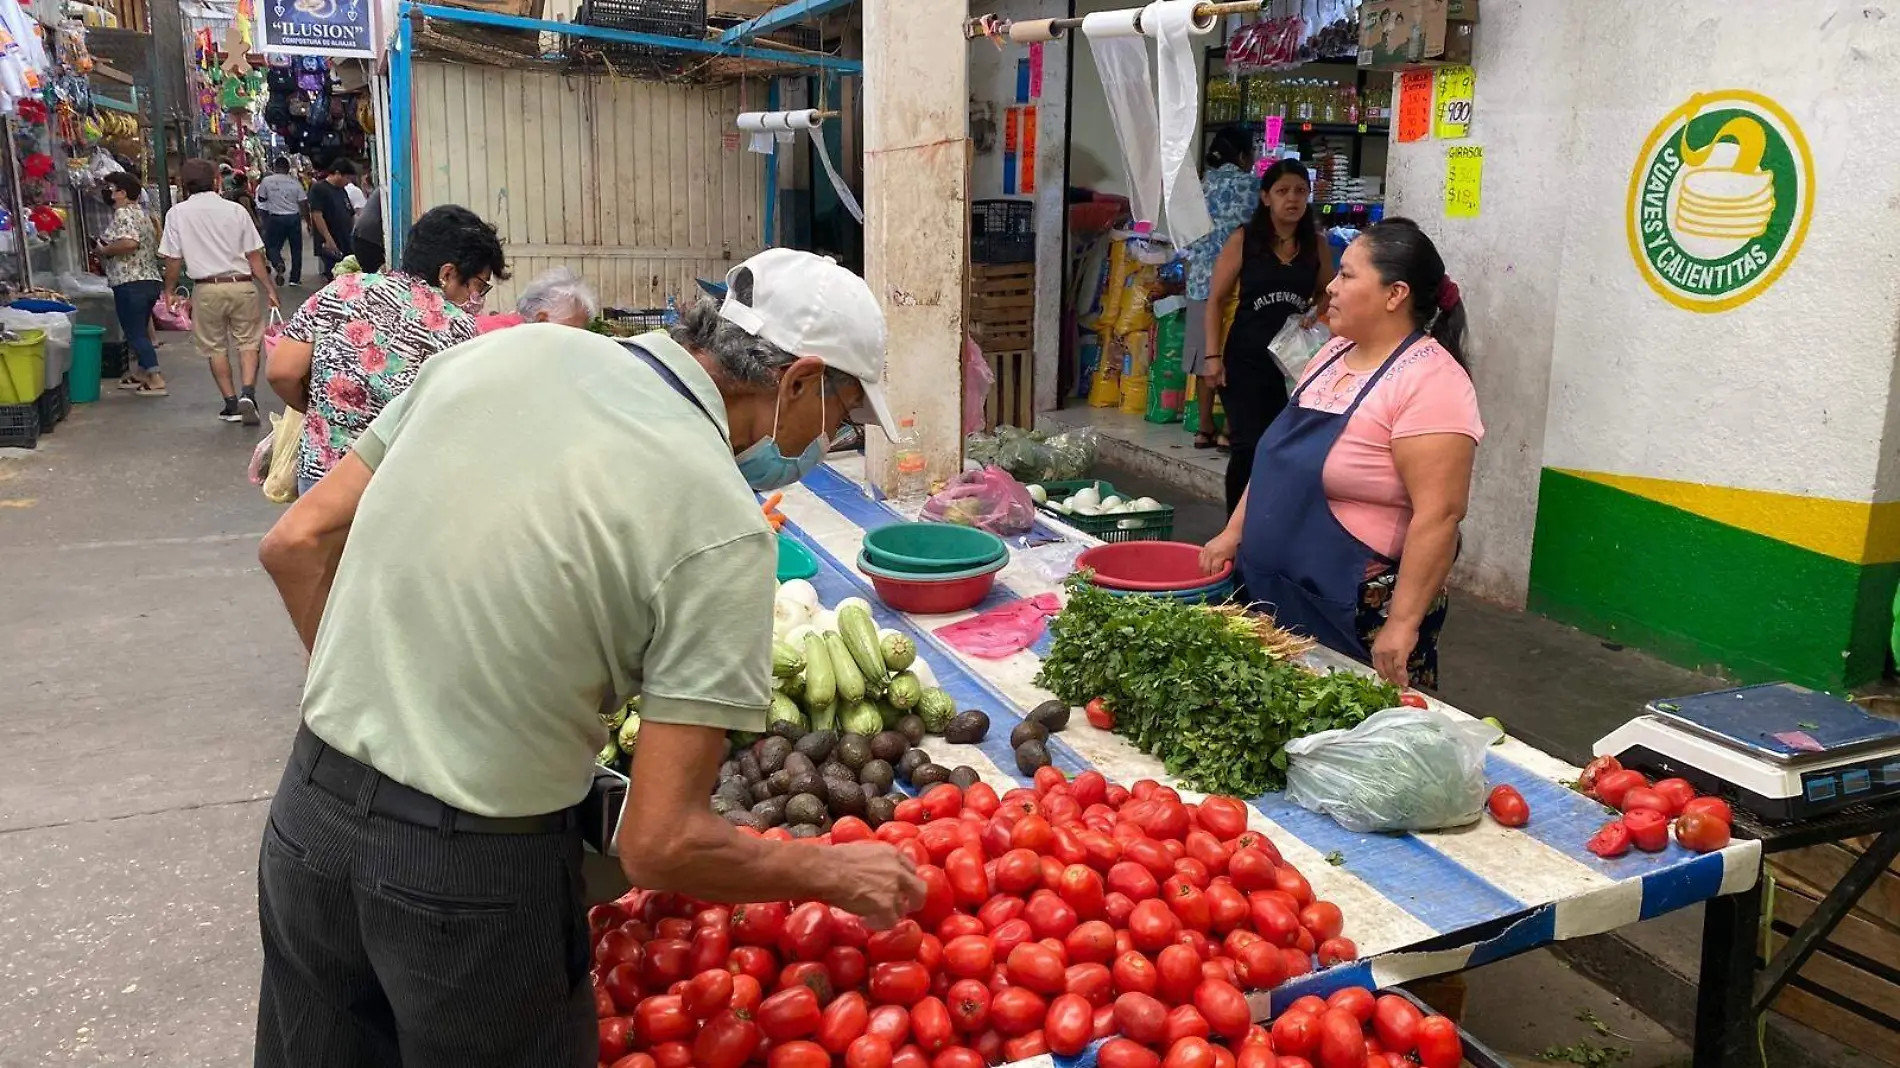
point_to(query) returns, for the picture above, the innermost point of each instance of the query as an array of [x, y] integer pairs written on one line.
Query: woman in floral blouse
[[128, 251], [359, 343]]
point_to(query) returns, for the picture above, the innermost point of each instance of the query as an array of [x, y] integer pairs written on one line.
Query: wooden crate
[[1012, 400], [1002, 306], [1850, 987]]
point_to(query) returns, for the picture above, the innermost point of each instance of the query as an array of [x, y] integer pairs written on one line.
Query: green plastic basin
[[932, 548], [794, 560]]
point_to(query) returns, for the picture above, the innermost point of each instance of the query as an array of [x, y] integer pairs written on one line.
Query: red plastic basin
[[931, 595], [1150, 566]]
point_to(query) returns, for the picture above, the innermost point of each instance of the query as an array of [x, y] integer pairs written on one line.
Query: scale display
[[1779, 750]]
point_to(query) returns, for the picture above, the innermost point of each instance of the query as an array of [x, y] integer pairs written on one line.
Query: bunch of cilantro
[[1196, 689]]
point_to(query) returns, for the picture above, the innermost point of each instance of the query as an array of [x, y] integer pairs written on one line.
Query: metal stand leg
[[1827, 916], [1724, 1017]]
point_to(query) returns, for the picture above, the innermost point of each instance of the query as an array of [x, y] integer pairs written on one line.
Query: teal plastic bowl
[[875, 570], [935, 549], [794, 560]]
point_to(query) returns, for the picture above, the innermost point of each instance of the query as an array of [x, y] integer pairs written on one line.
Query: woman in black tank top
[[1276, 262]]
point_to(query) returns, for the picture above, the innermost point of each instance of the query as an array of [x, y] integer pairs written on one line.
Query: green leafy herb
[[1196, 688], [1585, 1055], [1336, 858], [1806, 726]]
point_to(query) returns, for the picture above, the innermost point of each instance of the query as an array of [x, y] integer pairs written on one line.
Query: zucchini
[[786, 661], [860, 636], [906, 691], [899, 651], [783, 708], [820, 682], [850, 681], [863, 718], [824, 718]]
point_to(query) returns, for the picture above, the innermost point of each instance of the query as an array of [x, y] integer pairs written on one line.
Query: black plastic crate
[[662, 18], [1002, 231], [65, 396], [19, 426], [114, 358], [47, 407]]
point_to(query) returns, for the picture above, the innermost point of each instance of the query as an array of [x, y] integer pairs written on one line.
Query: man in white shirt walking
[[215, 241], [280, 200]]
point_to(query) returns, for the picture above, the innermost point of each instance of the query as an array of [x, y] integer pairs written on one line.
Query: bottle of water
[[671, 316], [912, 478]]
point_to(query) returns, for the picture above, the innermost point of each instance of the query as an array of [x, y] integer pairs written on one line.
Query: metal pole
[[984, 25], [771, 173], [160, 102], [401, 131]]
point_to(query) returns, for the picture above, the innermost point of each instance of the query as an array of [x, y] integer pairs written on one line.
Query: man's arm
[[320, 224], [670, 839], [172, 264], [261, 271], [302, 549]]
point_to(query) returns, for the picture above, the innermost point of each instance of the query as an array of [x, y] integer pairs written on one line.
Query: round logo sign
[[1719, 200]]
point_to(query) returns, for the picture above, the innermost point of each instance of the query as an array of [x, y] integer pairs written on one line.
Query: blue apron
[[1295, 557]]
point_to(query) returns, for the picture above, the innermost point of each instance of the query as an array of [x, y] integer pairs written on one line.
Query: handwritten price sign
[[1455, 87], [1415, 105], [1464, 181]]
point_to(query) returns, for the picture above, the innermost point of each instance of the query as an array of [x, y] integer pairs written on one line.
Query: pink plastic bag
[[173, 320], [977, 382], [1004, 631], [988, 499]]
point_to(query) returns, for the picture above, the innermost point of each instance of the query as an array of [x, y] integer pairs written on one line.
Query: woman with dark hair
[[1232, 195], [1276, 262], [360, 341], [128, 250], [1350, 526]]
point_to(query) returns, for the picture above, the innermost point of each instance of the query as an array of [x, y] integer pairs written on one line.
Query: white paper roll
[[775, 121], [1104, 24]]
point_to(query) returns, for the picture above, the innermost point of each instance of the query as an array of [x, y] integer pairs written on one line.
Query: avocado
[[964, 776], [728, 770], [760, 791], [771, 811], [806, 830], [834, 772], [817, 745], [871, 790], [1027, 731], [853, 751], [877, 773], [847, 798], [805, 808], [967, 728], [889, 745], [749, 767], [797, 763], [911, 727], [809, 783], [1053, 715], [929, 775], [771, 754], [911, 761], [739, 817], [879, 810], [780, 781], [736, 788], [790, 730], [721, 804], [1031, 755]]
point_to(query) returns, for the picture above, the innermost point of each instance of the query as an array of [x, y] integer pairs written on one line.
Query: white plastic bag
[[1403, 769], [1293, 347]]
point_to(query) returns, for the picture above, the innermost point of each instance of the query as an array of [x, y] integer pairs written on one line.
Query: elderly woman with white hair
[[557, 295]]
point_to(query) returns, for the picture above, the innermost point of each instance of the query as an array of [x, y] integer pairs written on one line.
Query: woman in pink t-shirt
[[1368, 466]]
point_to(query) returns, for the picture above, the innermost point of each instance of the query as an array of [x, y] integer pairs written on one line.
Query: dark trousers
[[342, 249], [1254, 396], [280, 230], [134, 301], [388, 943]]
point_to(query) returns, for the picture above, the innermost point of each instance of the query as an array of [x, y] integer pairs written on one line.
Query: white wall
[[992, 74], [1095, 157], [1578, 363]]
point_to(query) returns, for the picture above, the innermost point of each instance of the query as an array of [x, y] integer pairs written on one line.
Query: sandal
[[1203, 441], [131, 380], [152, 387]]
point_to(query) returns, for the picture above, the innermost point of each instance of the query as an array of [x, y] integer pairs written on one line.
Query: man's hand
[[330, 249], [876, 882]]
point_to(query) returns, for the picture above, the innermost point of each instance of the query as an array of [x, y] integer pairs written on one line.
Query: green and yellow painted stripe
[[1755, 584]]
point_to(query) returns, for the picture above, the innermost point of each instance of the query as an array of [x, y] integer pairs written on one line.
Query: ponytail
[[1401, 252]]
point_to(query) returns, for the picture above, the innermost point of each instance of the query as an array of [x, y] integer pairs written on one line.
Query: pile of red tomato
[[1054, 917], [1701, 823]]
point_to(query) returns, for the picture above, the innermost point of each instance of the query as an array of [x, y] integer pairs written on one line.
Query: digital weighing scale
[[1779, 751]]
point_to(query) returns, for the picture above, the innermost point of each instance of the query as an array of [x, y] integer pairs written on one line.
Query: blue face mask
[[766, 468]]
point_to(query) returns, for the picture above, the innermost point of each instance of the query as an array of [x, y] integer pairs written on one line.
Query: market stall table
[[1417, 904]]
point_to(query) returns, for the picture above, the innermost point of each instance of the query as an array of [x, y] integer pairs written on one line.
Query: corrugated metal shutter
[[631, 183]]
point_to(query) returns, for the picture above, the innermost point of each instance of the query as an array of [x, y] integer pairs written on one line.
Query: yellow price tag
[[1455, 87], [1464, 181]]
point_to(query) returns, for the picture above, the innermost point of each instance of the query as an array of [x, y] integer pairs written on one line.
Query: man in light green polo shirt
[[547, 522]]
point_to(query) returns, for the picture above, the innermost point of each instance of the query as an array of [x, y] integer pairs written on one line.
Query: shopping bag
[[173, 319], [1293, 347], [1403, 769], [286, 435]]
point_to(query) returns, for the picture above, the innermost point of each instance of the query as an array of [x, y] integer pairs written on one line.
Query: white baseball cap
[[809, 306]]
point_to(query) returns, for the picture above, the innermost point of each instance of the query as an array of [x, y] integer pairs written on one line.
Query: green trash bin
[[88, 354]]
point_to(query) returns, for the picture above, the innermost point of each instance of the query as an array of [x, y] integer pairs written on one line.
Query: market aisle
[[147, 699]]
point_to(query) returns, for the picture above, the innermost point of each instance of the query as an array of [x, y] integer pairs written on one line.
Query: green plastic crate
[[1157, 525]]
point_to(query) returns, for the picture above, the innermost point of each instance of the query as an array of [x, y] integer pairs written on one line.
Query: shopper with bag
[[1276, 262], [359, 343], [1350, 524], [548, 523], [128, 250], [215, 242]]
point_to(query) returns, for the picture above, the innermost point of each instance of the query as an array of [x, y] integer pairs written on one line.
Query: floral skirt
[[1375, 604]]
